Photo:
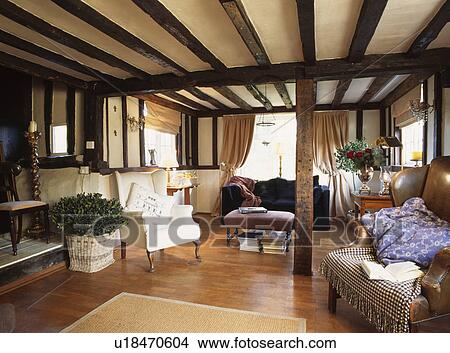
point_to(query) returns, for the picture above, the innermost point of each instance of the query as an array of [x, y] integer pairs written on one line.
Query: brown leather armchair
[[432, 183]]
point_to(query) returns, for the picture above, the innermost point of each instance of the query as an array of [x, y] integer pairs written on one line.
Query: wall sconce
[[136, 123], [420, 110]]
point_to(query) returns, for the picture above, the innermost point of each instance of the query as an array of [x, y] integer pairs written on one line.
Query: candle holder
[[36, 227]]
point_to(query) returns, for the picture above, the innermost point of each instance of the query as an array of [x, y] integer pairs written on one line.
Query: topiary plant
[[87, 214]]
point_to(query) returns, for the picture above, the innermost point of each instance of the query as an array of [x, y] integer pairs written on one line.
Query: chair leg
[[12, 228], [332, 298], [197, 244], [123, 250], [228, 236], [150, 260], [47, 226], [19, 230]]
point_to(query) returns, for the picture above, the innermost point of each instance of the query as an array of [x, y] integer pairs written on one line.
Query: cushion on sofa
[[149, 202], [266, 189]]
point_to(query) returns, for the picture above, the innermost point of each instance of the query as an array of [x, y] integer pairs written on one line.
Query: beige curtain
[[237, 140], [330, 133], [162, 119]]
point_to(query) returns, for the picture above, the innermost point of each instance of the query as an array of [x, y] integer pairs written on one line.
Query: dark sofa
[[279, 195]]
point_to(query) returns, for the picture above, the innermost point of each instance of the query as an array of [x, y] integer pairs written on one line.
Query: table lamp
[[416, 156], [169, 164], [280, 152], [391, 142]]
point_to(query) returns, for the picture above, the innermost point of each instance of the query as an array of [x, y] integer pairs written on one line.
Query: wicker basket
[[91, 254]]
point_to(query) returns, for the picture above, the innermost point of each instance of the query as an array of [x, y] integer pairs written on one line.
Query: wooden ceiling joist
[[239, 17], [167, 103], [33, 22], [49, 55], [411, 82], [259, 96], [339, 94], [333, 69], [374, 88], [431, 31], [205, 97], [95, 19], [284, 94], [37, 70], [305, 10], [161, 15], [369, 17], [186, 101], [233, 97]]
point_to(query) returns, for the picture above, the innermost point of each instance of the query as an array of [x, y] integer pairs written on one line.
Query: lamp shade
[[388, 141], [169, 163]]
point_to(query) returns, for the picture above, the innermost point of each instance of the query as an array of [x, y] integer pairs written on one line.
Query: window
[[269, 143], [412, 140], [163, 143], [58, 138]]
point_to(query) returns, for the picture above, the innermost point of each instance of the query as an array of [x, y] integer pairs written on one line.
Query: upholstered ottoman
[[271, 220]]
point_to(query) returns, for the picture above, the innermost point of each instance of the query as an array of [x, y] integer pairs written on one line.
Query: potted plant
[[357, 157], [90, 225]]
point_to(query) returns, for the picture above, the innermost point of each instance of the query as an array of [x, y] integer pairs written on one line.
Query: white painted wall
[[371, 125], [205, 155], [134, 159], [114, 107]]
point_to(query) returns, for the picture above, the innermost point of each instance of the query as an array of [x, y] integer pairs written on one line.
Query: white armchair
[[155, 233]]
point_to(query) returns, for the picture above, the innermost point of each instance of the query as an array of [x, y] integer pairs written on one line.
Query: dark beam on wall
[[334, 69], [411, 82], [233, 97], [237, 14], [205, 97], [70, 120], [161, 15], [141, 134], [425, 126], [48, 113], [167, 103], [93, 130], [194, 141], [339, 94], [179, 142], [184, 100], [124, 131], [368, 20], [359, 124], [431, 31], [374, 88], [306, 16], [97, 20], [33, 69], [33, 22], [187, 140], [390, 133], [106, 112], [438, 121], [284, 94], [383, 129], [215, 156], [260, 97]]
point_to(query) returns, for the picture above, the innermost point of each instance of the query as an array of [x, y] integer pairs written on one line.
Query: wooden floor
[[226, 277]]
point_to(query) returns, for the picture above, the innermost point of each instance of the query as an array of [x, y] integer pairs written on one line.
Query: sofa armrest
[[363, 238], [436, 283], [231, 199]]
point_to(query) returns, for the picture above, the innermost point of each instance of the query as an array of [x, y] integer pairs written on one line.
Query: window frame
[[66, 153]]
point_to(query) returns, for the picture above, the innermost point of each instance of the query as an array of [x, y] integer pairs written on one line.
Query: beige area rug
[[139, 313]]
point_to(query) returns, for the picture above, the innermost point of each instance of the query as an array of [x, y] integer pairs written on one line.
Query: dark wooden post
[[93, 130], [437, 115], [306, 100], [48, 113], [359, 123], [70, 120], [425, 125], [125, 131], [141, 135]]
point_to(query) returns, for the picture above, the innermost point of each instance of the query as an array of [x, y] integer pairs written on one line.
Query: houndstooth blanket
[[385, 304]]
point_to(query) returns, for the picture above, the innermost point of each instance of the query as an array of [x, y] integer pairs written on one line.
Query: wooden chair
[[14, 208]]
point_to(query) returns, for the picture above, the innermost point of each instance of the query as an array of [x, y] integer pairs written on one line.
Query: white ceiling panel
[[195, 99], [242, 92], [389, 87], [272, 94], [174, 100], [326, 91], [213, 93], [357, 89], [443, 39], [290, 86]]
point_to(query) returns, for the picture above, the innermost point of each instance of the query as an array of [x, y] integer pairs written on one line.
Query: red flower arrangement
[[357, 155]]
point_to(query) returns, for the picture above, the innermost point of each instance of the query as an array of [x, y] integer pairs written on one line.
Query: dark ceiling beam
[[167, 103], [236, 12], [431, 31], [37, 70], [19, 15], [284, 94], [49, 55], [369, 17], [411, 82], [161, 15], [374, 88], [103, 24], [259, 96], [339, 94], [305, 11], [186, 101], [333, 69], [233, 97], [205, 97], [283, 109]]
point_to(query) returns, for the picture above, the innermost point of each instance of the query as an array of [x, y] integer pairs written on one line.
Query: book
[[396, 272], [246, 210]]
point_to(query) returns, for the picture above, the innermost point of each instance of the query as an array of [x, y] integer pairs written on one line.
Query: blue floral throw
[[408, 233]]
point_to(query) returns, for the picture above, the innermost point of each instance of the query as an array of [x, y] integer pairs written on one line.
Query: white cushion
[[149, 202]]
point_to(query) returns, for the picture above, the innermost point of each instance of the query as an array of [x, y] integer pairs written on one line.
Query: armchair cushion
[[151, 203]]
